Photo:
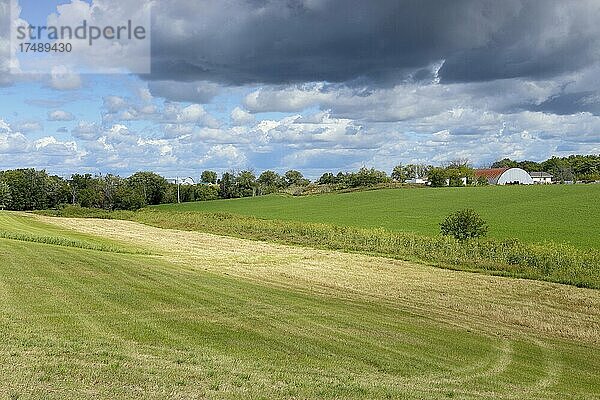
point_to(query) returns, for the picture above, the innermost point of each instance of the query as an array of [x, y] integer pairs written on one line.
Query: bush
[[463, 225], [482, 181]]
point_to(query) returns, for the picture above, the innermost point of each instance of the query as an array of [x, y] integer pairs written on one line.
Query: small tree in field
[[463, 225]]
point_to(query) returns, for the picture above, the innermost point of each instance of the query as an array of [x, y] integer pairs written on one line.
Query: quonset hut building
[[505, 176]]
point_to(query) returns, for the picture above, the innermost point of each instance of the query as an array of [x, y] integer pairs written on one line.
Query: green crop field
[[559, 213], [115, 309]]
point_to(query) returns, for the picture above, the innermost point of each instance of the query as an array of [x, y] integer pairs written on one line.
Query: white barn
[[505, 176]]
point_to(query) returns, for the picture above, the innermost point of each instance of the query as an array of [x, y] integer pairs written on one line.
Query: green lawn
[[559, 213], [221, 318]]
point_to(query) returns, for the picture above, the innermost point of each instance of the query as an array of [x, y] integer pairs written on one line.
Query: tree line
[[584, 168], [30, 189]]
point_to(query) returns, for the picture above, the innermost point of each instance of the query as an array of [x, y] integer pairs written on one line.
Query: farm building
[[541, 177], [417, 181], [505, 176], [182, 181]]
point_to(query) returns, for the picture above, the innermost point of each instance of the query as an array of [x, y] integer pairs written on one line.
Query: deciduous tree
[[295, 178], [399, 173], [209, 177], [5, 197], [463, 225]]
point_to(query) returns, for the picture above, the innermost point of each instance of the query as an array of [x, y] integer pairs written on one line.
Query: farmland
[[118, 309], [558, 213]]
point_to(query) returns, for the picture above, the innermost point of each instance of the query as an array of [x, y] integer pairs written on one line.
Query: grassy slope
[[550, 262], [222, 318], [559, 213], [26, 227]]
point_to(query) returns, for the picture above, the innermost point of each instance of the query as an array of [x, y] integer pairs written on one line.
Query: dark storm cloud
[[571, 103], [274, 41], [311, 40], [543, 38]]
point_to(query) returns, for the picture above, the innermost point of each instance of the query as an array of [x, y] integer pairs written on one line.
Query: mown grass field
[[206, 316], [558, 213]]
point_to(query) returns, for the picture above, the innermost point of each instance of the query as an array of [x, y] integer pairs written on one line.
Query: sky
[[313, 85]]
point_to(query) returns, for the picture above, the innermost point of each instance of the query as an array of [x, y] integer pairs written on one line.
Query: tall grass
[[549, 261]]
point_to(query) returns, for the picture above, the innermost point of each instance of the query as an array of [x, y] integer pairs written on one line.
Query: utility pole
[[178, 183]]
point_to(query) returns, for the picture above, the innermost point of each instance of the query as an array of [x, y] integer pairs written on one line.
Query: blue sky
[[36, 11], [303, 85]]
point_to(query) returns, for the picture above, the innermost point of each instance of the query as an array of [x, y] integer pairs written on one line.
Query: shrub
[[482, 181], [463, 225]]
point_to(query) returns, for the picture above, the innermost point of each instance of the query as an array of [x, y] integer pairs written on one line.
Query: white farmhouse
[[541, 178], [417, 181]]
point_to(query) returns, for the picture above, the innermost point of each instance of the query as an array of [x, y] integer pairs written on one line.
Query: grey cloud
[[516, 49], [114, 104], [294, 41], [244, 41], [193, 92], [571, 103], [542, 38], [406, 101], [86, 131]]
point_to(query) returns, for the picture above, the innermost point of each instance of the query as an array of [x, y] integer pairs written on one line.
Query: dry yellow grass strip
[[494, 305]]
